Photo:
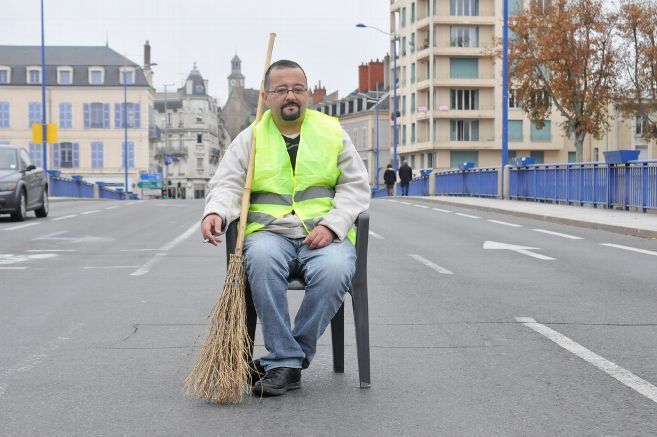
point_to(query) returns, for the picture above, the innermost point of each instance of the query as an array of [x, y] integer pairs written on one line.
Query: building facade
[[242, 103], [87, 99], [450, 94], [192, 138]]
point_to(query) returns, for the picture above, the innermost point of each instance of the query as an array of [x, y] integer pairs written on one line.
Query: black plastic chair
[[358, 292]]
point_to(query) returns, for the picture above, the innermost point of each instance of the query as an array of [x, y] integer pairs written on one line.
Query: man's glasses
[[282, 91]]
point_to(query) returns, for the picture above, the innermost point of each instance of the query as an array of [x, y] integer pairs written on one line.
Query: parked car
[[23, 186]]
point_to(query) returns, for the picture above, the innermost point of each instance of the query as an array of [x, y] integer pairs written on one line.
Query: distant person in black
[[390, 177], [405, 176]]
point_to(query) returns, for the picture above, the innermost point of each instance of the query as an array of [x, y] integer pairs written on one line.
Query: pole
[[166, 138], [43, 94], [125, 127], [505, 91], [376, 116], [394, 84]]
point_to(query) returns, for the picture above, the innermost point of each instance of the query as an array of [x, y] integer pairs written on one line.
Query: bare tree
[[638, 92], [562, 52]]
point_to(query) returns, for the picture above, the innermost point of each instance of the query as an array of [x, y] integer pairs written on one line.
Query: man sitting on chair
[[309, 186]]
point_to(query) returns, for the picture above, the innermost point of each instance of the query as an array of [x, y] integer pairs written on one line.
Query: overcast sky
[[319, 34]]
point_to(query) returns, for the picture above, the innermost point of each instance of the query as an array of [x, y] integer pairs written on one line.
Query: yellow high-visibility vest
[[309, 189]]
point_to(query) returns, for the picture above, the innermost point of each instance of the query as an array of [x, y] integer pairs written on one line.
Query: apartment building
[[85, 98]]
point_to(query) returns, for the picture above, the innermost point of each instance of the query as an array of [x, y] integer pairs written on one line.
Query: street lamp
[[376, 117], [505, 90], [166, 136], [394, 87]]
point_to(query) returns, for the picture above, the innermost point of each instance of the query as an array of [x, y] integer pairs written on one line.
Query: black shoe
[[277, 381], [256, 371]]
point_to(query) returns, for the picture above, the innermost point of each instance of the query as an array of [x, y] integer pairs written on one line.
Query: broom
[[221, 373]]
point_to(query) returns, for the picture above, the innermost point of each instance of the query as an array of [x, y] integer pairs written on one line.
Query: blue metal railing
[[105, 193], [417, 187], [70, 187], [475, 182], [631, 185]]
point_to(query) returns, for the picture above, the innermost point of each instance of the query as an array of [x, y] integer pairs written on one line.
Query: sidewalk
[[622, 222]]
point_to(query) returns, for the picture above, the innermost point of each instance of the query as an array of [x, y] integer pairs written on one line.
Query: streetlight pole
[[125, 126], [166, 137], [394, 87], [43, 96], [505, 91]]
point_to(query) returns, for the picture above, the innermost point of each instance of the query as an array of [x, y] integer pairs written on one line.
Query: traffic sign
[[150, 176], [149, 184]]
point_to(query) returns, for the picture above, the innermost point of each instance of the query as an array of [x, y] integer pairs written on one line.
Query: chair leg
[[251, 318], [337, 340], [361, 324]]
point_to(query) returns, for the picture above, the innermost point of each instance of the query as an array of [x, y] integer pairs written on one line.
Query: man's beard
[[290, 117]]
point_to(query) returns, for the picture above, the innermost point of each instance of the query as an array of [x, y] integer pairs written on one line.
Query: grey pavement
[[614, 220], [99, 334]]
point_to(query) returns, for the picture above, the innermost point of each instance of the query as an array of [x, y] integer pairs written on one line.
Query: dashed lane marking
[[90, 212], [558, 234], [513, 225], [375, 235], [27, 225], [431, 265], [615, 371], [64, 217], [421, 206], [632, 249], [442, 210], [467, 215], [113, 207]]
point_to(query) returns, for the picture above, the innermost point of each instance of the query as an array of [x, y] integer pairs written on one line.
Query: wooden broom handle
[[246, 192]]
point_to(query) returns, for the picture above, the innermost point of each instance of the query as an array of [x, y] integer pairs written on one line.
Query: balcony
[[177, 151], [462, 20], [483, 81], [445, 112], [484, 142]]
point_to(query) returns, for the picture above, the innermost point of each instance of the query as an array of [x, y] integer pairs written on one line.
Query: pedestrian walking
[[389, 178], [405, 177]]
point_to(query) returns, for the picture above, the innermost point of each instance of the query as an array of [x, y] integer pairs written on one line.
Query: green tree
[[562, 53]]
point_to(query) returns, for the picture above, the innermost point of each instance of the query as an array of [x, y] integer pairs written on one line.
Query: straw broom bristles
[[221, 373]]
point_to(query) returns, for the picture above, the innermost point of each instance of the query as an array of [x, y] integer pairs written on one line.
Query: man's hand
[[211, 229], [320, 237]]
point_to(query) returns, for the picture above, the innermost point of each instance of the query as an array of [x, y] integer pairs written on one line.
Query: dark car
[[23, 186]]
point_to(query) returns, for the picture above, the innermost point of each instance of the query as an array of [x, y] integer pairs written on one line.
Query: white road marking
[[109, 267], [513, 225], [8, 258], [441, 210], [375, 235], [421, 206], [467, 215], [431, 265], [13, 268], [615, 371], [405, 203], [90, 212], [633, 249], [494, 245], [139, 250], [52, 250], [113, 207], [64, 217], [170, 245], [558, 234], [394, 201], [27, 225]]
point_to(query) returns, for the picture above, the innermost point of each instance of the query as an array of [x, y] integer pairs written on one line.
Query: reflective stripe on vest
[[309, 190]]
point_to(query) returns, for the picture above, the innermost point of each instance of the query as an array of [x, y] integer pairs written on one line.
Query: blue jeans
[[272, 258]]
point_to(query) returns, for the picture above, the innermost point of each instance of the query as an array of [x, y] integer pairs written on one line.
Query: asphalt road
[[481, 324]]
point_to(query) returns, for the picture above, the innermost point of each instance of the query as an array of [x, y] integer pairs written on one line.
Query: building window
[[169, 117], [96, 115], [96, 76], [572, 156], [66, 155], [638, 125], [5, 74], [133, 115], [127, 76], [463, 68], [131, 154], [457, 157], [464, 7], [404, 134], [64, 75], [65, 115], [412, 133], [538, 156], [36, 153], [544, 134], [430, 159], [4, 115], [34, 113], [515, 7], [199, 139], [199, 163], [464, 99], [514, 102], [403, 17], [464, 36], [412, 12], [515, 130], [413, 72], [33, 75], [412, 103], [411, 43], [403, 105], [435, 129], [464, 130], [97, 154]]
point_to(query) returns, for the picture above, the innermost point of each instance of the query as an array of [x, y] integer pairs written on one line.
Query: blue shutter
[[106, 115], [100, 153], [87, 116], [131, 154], [55, 155], [136, 108], [118, 118], [76, 155]]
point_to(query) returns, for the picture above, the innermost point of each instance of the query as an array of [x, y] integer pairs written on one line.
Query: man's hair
[[283, 63]]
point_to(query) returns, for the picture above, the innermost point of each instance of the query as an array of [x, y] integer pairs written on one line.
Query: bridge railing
[[630, 185], [481, 182], [75, 187]]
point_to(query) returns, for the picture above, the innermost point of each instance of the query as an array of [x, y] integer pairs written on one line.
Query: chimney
[[319, 92], [363, 78], [147, 56], [375, 75]]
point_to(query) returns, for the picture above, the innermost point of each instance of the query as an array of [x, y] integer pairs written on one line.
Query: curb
[[635, 232]]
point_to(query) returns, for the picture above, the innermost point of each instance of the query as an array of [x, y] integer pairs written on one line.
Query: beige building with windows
[[450, 92], [85, 98]]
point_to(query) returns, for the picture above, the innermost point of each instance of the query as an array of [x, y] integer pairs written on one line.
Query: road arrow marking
[[519, 249], [431, 265]]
